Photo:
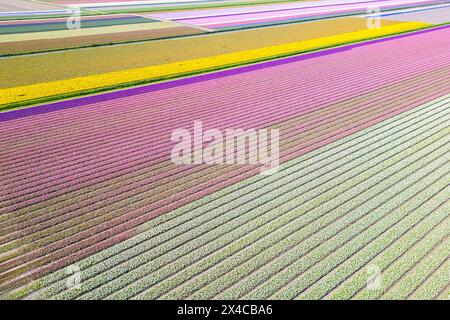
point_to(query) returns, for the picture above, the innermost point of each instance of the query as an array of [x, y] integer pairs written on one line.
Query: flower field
[[435, 14], [104, 59], [19, 36], [49, 91], [40, 25], [232, 18], [22, 5], [90, 183], [152, 5]]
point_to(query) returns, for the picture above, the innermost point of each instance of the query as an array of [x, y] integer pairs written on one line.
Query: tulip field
[[118, 181], [270, 14]]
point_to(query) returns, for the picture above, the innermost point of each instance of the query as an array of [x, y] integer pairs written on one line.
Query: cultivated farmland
[[97, 176]]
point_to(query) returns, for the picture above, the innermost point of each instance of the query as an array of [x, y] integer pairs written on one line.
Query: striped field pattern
[[36, 35], [363, 183], [114, 6], [47, 91], [432, 14], [286, 12], [332, 205], [79, 63], [7, 6], [40, 25]]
